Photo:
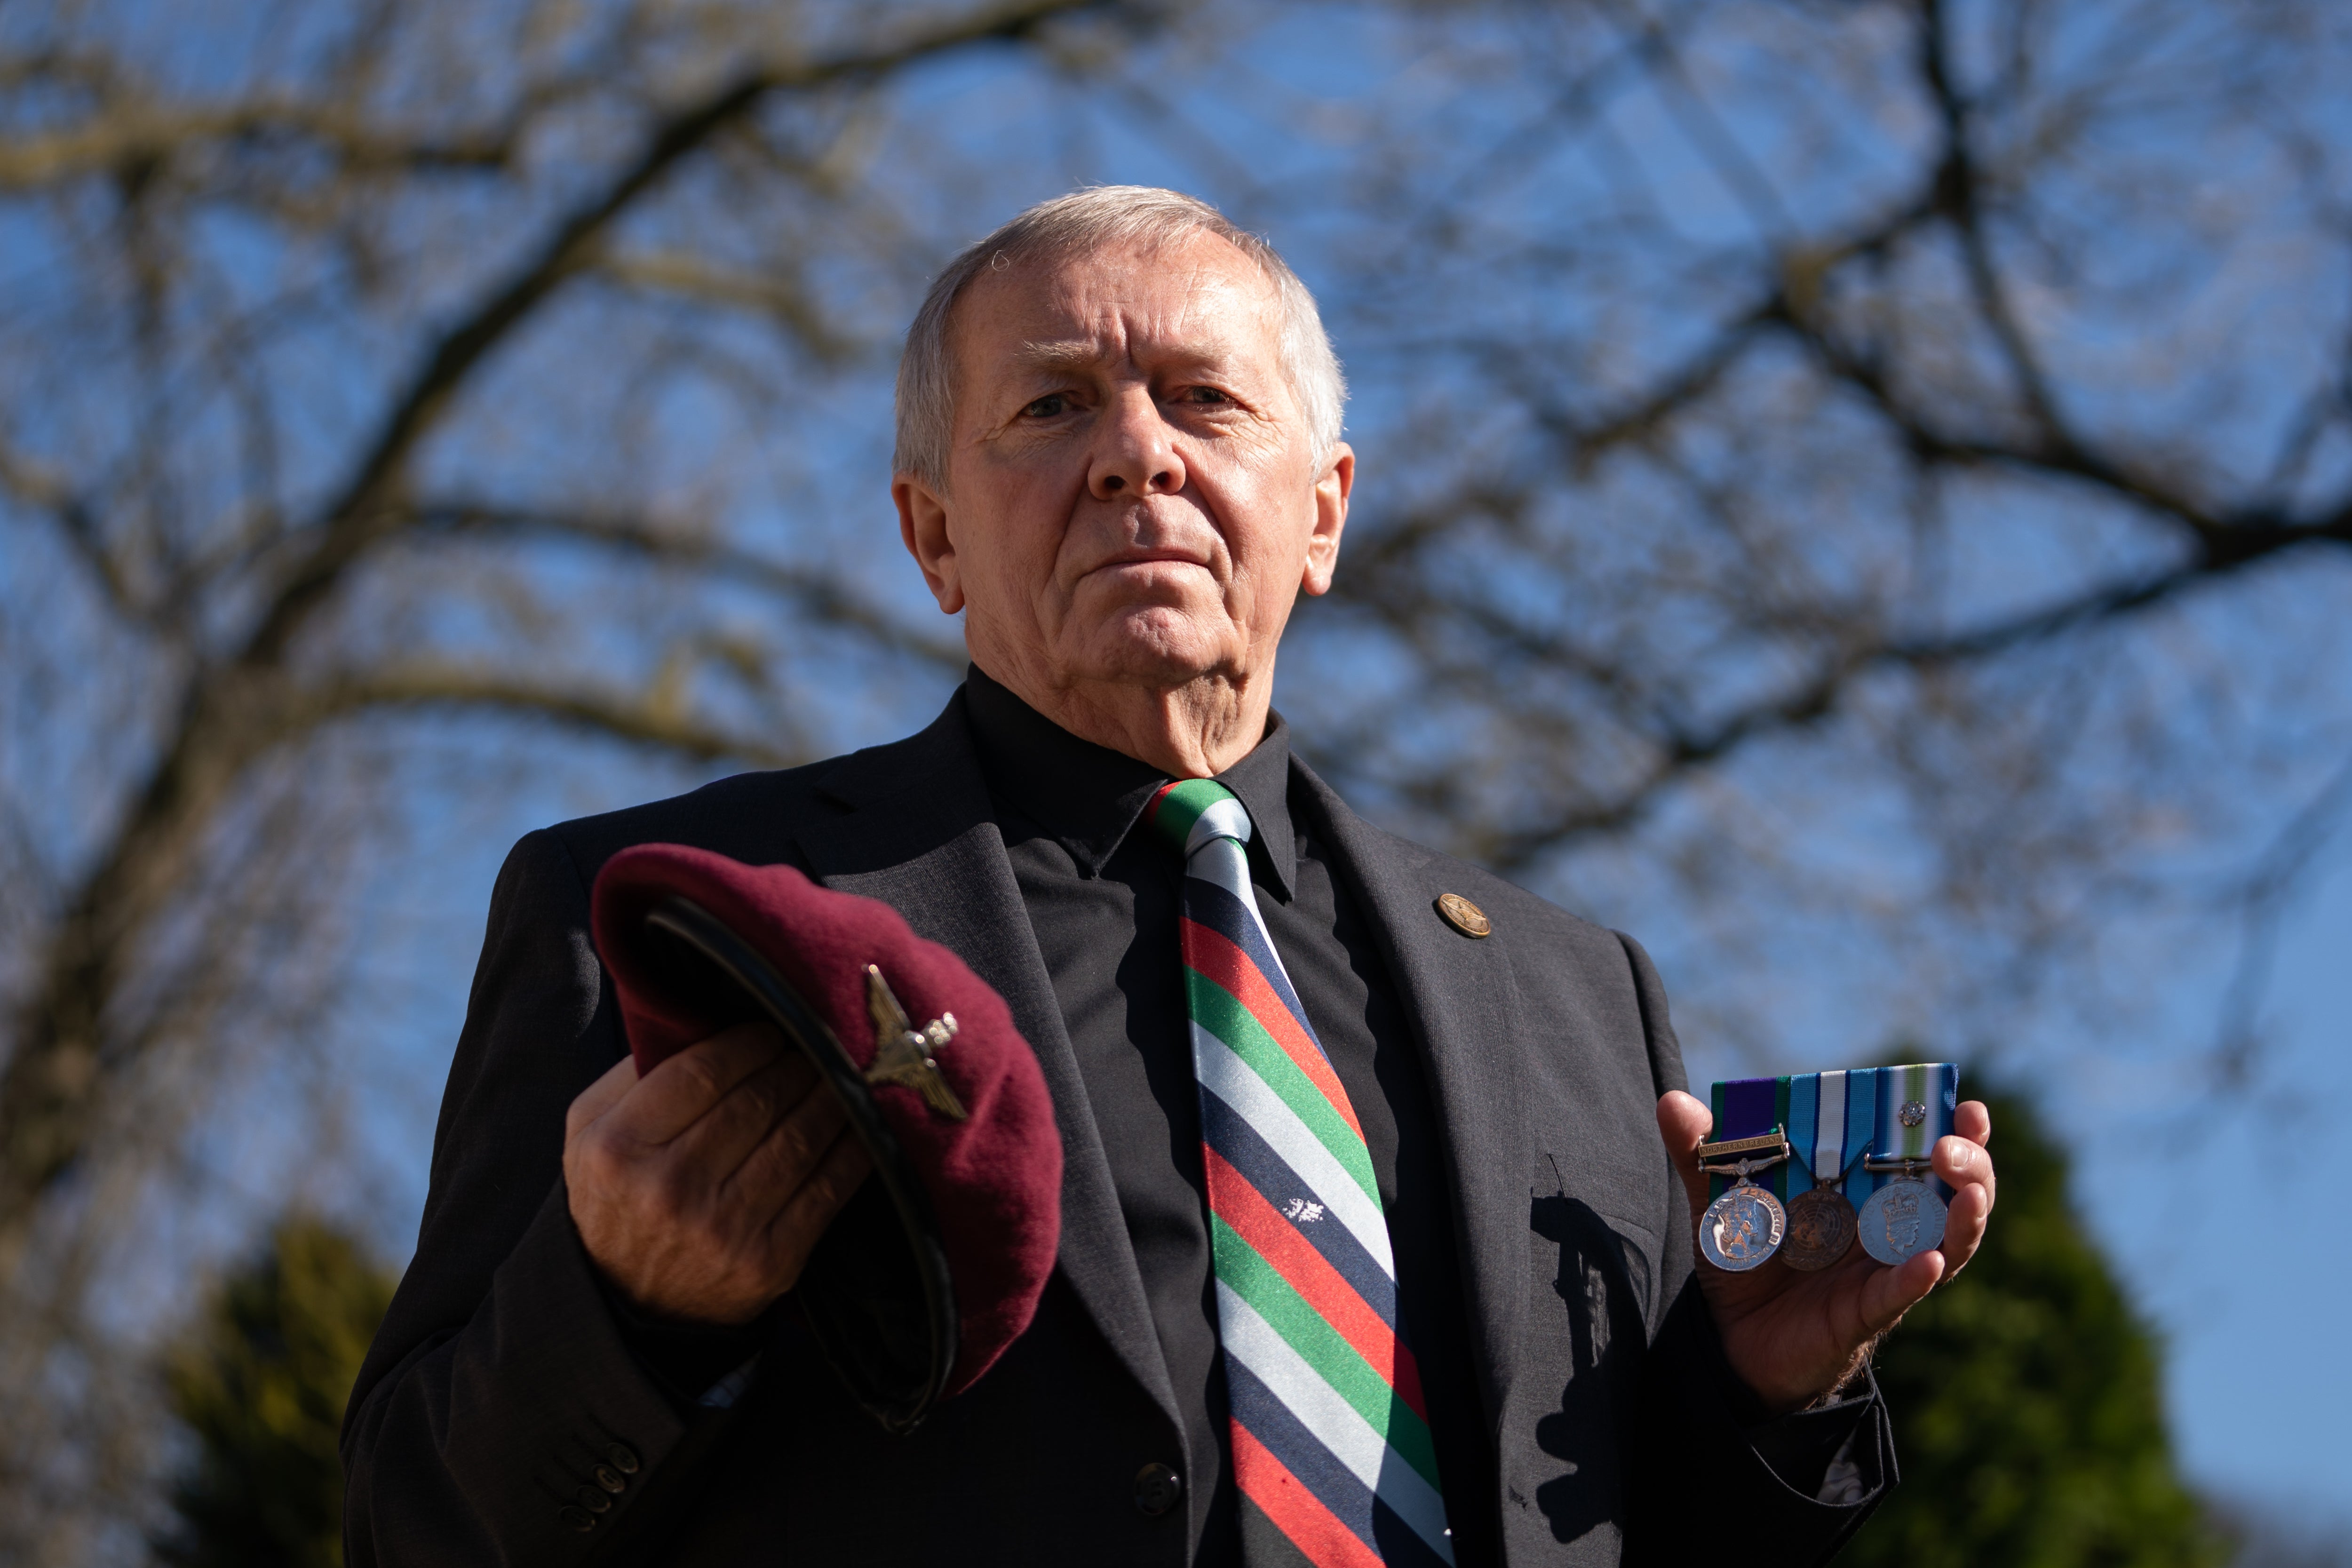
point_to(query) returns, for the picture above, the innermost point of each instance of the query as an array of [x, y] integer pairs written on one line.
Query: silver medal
[[1742, 1228], [1901, 1220]]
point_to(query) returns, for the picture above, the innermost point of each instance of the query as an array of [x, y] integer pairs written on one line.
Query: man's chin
[[1149, 650]]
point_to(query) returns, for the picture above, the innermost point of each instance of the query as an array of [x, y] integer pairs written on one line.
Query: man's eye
[[1047, 406], [1208, 395]]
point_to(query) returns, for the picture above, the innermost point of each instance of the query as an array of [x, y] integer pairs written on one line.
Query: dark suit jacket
[[501, 1376]]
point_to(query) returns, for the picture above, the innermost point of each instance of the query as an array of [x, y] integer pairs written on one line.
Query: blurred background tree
[[2028, 1406], [260, 1383], [1857, 492]]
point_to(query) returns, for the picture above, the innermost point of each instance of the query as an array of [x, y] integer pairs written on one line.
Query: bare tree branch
[[1959, 196], [1683, 752], [129, 134], [77, 521], [639, 721], [819, 595], [778, 297], [2263, 900]]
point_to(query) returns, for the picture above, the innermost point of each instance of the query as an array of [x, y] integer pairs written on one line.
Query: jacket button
[[578, 1519], [1156, 1487], [621, 1457], [593, 1501], [608, 1478]]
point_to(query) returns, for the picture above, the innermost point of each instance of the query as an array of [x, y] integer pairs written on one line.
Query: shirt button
[[608, 1478], [1156, 1487], [578, 1519], [593, 1501], [621, 1457]]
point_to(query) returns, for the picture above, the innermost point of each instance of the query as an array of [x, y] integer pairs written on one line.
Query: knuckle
[[699, 1072], [759, 1100], [671, 1196], [787, 1145], [598, 1164]]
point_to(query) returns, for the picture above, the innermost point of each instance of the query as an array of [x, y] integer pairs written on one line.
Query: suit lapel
[[918, 833], [1464, 1006]]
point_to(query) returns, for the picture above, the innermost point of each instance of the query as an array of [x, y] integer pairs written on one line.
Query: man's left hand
[[1794, 1337]]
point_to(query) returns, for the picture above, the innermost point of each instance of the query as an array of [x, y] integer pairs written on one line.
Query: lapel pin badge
[[1464, 916]]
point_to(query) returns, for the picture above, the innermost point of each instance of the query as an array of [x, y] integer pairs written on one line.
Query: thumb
[[1683, 1121]]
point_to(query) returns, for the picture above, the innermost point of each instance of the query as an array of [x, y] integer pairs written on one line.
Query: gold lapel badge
[[1464, 916], [907, 1056]]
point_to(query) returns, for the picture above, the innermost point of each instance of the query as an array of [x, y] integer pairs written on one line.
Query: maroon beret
[[936, 1267]]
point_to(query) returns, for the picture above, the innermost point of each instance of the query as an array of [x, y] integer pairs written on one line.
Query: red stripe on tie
[[1208, 951], [1233, 1200], [1298, 1513]]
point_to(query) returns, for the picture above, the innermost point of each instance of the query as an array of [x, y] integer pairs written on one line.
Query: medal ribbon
[[1935, 1087], [1826, 1135], [1861, 1122], [1748, 1108], [1831, 1120]]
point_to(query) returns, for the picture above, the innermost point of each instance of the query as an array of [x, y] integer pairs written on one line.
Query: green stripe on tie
[[1178, 808], [1221, 1013], [1323, 1348]]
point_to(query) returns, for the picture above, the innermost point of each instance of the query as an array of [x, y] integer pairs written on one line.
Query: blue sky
[[2236, 1243]]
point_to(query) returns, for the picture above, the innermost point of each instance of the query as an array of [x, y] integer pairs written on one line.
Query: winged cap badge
[[905, 1054]]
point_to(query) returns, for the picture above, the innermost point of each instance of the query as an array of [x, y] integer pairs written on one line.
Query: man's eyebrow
[[1069, 353], [1051, 356]]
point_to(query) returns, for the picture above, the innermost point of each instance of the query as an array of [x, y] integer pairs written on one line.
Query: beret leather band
[[878, 1357]]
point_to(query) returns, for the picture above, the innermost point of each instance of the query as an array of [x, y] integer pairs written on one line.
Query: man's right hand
[[701, 1189]]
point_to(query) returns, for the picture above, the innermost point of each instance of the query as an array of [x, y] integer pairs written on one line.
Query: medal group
[[1804, 1165]]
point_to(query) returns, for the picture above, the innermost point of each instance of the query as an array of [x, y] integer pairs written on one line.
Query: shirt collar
[[1090, 797]]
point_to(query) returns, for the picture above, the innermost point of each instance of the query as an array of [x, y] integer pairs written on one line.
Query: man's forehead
[[1199, 296]]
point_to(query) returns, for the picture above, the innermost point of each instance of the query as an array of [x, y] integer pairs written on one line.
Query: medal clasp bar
[[1773, 1146], [1776, 1139]]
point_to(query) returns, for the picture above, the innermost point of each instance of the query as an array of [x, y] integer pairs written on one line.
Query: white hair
[[1083, 222]]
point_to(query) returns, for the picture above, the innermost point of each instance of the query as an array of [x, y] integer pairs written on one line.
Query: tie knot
[[1190, 813]]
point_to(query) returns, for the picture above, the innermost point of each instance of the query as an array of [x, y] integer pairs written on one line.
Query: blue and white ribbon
[[1830, 1125]]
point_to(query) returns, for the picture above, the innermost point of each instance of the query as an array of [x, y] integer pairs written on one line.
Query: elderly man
[[1120, 460]]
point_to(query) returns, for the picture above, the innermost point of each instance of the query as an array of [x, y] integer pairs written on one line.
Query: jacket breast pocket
[[1618, 1256], [1606, 1268]]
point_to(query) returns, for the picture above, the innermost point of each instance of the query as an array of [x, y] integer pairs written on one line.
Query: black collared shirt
[[1102, 899]]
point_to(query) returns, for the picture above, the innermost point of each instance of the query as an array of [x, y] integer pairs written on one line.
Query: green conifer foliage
[[2028, 1408], [262, 1382]]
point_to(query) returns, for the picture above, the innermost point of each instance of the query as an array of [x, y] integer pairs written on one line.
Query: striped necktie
[[1330, 1433]]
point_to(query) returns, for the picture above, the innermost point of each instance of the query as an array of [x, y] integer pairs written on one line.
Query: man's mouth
[[1146, 558]]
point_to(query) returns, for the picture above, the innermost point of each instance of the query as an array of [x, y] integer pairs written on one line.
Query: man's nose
[[1135, 453]]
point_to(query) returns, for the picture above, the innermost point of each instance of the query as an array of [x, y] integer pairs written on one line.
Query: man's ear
[[923, 527], [1332, 488]]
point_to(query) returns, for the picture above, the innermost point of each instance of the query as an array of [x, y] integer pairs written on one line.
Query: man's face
[[1134, 497]]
